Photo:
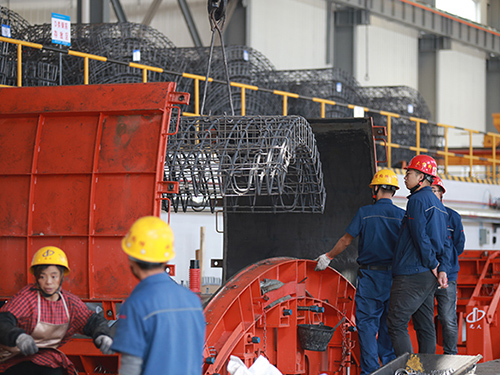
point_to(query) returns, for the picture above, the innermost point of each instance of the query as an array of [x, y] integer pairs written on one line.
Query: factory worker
[[420, 262], [161, 327], [446, 298], [377, 226], [42, 316]]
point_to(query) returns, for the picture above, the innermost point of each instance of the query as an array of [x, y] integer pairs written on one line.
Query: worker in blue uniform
[[377, 226], [446, 298], [161, 328], [418, 254]]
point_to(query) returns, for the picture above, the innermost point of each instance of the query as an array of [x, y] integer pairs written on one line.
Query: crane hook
[[217, 8]]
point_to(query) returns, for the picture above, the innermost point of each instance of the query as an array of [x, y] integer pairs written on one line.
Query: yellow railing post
[[144, 75], [197, 78], [86, 57], [197, 96], [86, 70], [418, 137], [243, 101], [323, 103], [19, 65], [389, 141], [285, 99], [243, 88]]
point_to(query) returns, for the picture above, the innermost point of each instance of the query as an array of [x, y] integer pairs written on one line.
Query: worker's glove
[[323, 262], [104, 343], [26, 344]]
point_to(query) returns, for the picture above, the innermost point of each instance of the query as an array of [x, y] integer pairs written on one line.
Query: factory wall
[[39, 12], [290, 33], [391, 58], [461, 91], [169, 20]]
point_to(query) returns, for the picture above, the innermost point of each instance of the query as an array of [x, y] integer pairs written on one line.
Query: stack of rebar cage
[[13, 23], [332, 84], [125, 42], [407, 102], [115, 41]]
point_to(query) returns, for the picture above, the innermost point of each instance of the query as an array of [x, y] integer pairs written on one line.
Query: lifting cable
[[217, 18]]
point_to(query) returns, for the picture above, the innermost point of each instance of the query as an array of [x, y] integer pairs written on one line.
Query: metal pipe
[[190, 23], [153, 8], [120, 14]]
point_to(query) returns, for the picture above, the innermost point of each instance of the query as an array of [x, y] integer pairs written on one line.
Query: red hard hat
[[439, 182], [424, 164]]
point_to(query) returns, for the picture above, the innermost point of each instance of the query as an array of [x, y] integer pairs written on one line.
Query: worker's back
[[162, 323]]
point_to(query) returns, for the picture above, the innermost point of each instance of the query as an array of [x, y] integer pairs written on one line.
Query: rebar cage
[[404, 101], [332, 84], [252, 164], [16, 23]]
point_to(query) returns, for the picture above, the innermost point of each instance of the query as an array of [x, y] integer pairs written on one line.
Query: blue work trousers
[[412, 296], [372, 304], [447, 315]]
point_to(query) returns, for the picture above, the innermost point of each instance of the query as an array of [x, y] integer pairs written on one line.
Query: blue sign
[[6, 31], [61, 29]]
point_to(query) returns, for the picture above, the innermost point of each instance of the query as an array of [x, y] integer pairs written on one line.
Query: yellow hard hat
[[150, 240], [385, 177], [50, 256]]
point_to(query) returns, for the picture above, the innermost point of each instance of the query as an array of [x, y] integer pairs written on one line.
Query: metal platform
[[434, 364]]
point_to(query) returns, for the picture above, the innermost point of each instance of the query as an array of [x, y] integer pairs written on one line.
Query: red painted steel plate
[[78, 164]]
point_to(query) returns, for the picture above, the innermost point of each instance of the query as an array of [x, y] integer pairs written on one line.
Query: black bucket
[[314, 336]]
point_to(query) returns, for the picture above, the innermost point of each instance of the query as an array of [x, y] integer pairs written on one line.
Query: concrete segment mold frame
[[78, 165]]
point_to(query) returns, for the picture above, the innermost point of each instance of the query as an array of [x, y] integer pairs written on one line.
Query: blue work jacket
[[456, 241], [162, 323], [421, 243], [377, 226]]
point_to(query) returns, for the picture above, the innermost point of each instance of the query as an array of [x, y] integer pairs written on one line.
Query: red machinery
[[78, 165], [246, 320], [260, 309], [477, 305]]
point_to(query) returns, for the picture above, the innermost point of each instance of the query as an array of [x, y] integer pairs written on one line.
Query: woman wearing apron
[[41, 317]]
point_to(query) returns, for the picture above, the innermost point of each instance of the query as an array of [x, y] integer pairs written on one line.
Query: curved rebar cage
[[244, 64], [405, 101], [12, 19], [332, 84], [16, 23], [116, 41], [252, 164]]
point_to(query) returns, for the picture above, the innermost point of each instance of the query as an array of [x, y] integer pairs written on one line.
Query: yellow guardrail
[[445, 156]]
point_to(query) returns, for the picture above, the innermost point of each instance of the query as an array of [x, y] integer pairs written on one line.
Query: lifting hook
[[217, 8]]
